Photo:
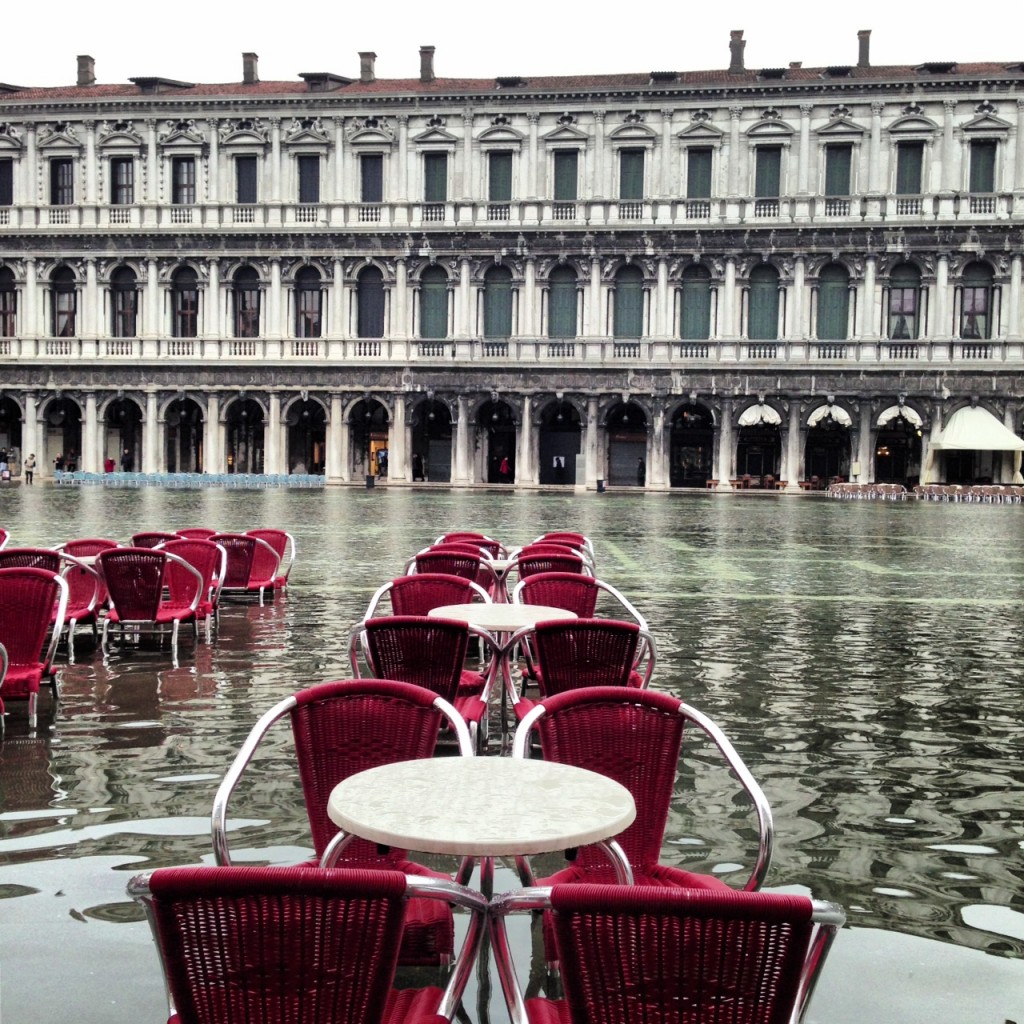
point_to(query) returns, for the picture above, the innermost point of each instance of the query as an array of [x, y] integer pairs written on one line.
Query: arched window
[[562, 303], [185, 298], [833, 303], [309, 303], [976, 310], [763, 308], [904, 301], [498, 303], [695, 320], [247, 303], [628, 321], [370, 303], [124, 295], [65, 302], [433, 303], [8, 304]]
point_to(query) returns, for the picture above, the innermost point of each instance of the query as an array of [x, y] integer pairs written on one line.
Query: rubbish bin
[[370, 480], [600, 487]]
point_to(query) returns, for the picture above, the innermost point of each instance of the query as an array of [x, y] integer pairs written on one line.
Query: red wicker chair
[[278, 946], [494, 547], [136, 579], [87, 594], [339, 729], [197, 532], [283, 544], [252, 565], [638, 953], [31, 600], [210, 561], [463, 560], [4, 538], [87, 547], [575, 540], [151, 538], [567, 654], [430, 653], [422, 592], [549, 559]]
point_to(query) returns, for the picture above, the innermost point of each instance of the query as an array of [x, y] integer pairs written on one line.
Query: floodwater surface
[[864, 658]]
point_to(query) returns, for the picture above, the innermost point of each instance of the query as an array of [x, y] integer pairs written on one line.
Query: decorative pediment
[[243, 132], [840, 126], [913, 123], [700, 131], [770, 127], [306, 130], [566, 133], [633, 132], [10, 136], [370, 131], [986, 123], [59, 134], [181, 133], [119, 133], [501, 133], [435, 136]]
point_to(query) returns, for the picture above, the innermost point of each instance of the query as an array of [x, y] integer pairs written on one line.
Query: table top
[[497, 616], [481, 806]]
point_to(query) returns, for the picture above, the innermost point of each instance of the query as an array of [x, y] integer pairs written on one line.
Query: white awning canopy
[[976, 429], [755, 414], [840, 415], [888, 415]]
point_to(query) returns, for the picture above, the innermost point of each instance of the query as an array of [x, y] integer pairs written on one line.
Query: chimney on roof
[[736, 45], [795, 65], [426, 63], [366, 59], [86, 70], [864, 39], [250, 76]]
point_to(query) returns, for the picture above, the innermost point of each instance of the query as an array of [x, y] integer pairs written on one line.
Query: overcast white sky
[[203, 41]]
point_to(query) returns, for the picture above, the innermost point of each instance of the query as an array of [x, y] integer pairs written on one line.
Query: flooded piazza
[[863, 657]]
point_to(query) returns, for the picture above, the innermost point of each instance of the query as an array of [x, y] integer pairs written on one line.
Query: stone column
[[461, 468], [334, 430], [657, 475], [735, 153], [803, 160], [275, 161], [528, 320], [274, 328], [30, 182], [92, 457], [725, 455], [791, 470], [663, 302], [346, 450], [213, 436], [212, 307], [465, 303], [153, 311], [868, 313], [600, 189], [91, 300], [151, 447], [213, 188], [590, 442], [532, 165], [30, 433], [950, 162], [942, 327], [876, 175], [798, 314], [91, 195], [466, 190], [400, 319], [398, 448], [729, 320], [272, 461], [152, 196], [339, 160], [1013, 310], [665, 189], [401, 175], [337, 325], [596, 327], [525, 471], [30, 315], [864, 448]]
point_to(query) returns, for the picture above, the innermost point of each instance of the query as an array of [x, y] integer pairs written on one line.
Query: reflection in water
[[862, 657]]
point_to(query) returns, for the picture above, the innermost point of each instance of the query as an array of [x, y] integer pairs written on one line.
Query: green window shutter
[[498, 303], [909, 161], [245, 179], [566, 175], [833, 303], [768, 172], [371, 167], [434, 303], [6, 182], [629, 304], [370, 298], [698, 173], [696, 313], [983, 166], [631, 174], [562, 303], [838, 161], [309, 179], [499, 183], [763, 309], [435, 177]]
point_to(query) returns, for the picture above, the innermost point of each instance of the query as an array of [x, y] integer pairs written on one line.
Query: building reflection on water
[[863, 658]]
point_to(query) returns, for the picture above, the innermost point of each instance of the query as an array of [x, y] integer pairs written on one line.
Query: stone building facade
[[684, 279]]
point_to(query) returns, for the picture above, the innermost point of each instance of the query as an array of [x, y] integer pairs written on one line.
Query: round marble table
[[484, 807], [500, 618]]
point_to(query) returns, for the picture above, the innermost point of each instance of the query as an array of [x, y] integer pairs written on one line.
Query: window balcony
[[836, 207], [5, 217], [629, 210], [830, 350], [766, 207], [763, 350], [694, 350], [563, 211], [369, 214], [908, 206], [433, 213], [305, 348], [983, 206], [697, 209], [59, 215], [119, 348], [181, 214], [499, 211]]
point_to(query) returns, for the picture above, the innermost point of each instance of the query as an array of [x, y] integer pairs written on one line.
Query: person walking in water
[[29, 468]]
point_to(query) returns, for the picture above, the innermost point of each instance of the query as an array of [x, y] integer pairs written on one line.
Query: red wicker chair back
[[415, 649], [572, 653], [422, 592]]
